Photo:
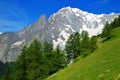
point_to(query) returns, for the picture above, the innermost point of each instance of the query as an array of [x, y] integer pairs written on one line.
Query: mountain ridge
[[55, 29]]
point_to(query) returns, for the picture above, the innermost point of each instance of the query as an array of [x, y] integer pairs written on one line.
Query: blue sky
[[16, 14]]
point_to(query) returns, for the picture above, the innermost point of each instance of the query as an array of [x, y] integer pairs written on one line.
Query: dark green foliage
[[103, 63], [76, 42], [6, 71], [6, 75], [36, 62], [72, 47], [106, 33], [2, 67], [58, 60], [80, 45], [37, 67], [40, 60], [47, 47], [20, 66], [116, 22], [93, 43], [44, 60], [55, 60], [85, 44]]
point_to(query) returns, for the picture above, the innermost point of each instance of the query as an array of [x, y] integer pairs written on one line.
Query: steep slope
[[6, 40], [69, 20], [103, 64], [39, 30], [55, 30]]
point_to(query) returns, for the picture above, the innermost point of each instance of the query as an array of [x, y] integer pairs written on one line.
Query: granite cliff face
[[55, 30]]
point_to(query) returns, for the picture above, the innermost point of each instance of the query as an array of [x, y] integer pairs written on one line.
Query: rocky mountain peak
[[55, 30]]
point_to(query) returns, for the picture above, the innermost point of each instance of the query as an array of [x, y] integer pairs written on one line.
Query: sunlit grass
[[103, 64]]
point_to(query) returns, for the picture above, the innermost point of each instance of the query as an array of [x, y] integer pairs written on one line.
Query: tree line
[[36, 62], [80, 44], [106, 32], [39, 60]]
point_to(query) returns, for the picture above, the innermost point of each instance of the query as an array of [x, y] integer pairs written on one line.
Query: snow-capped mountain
[[55, 30], [69, 20]]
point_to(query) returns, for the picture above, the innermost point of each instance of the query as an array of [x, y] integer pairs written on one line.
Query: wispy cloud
[[12, 16], [103, 1], [100, 3], [6, 22]]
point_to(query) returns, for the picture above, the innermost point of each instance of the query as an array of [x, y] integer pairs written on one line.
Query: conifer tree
[[20, 66], [106, 33], [72, 47], [69, 48], [118, 21], [36, 61], [85, 44], [93, 43], [58, 60], [47, 47]]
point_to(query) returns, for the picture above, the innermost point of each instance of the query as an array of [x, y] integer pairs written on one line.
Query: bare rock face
[[55, 30], [6, 40]]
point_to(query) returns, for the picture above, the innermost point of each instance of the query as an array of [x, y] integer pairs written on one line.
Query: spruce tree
[[106, 33], [47, 47], [72, 47], [69, 48], [20, 67], [58, 60], [118, 21], [93, 43], [37, 65], [85, 43], [38, 61]]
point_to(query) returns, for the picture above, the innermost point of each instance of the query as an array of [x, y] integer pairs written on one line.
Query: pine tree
[[77, 45], [72, 47], [47, 47], [69, 48], [106, 33], [93, 43], [37, 65], [38, 61], [20, 72], [58, 60], [118, 21], [33, 58], [85, 44]]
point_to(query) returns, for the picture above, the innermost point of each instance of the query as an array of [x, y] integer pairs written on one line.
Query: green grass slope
[[103, 64]]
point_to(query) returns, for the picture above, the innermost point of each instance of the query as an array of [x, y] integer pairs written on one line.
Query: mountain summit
[[69, 20], [55, 30]]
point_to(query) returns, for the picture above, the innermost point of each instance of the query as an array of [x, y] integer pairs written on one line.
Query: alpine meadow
[[59, 40]]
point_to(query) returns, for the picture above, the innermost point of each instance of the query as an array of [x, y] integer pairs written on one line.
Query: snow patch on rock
[[69, 27], [60, 41], [17, 43], [92, 31]]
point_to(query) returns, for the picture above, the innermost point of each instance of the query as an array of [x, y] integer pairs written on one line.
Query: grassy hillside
[[103, 64]]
